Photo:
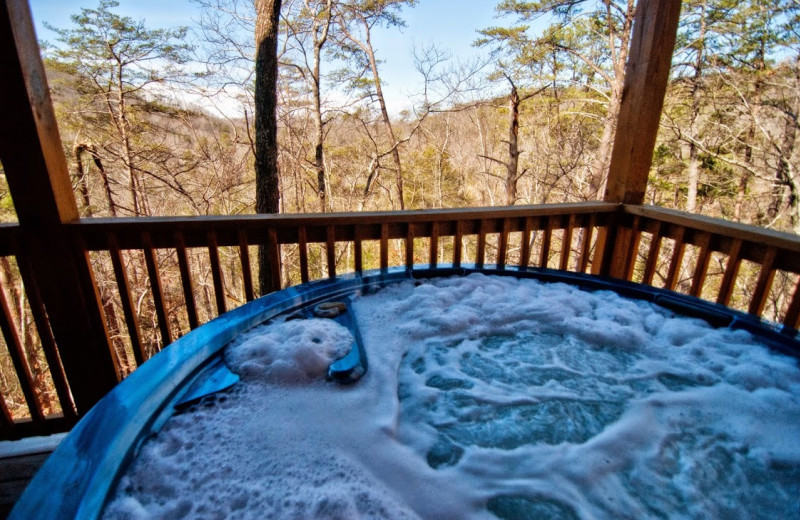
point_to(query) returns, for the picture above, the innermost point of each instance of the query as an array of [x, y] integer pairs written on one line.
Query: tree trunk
[[319, 149], [387, 122], [755, 103], [783, 172], [513, 146], [266, 99], [598, 175], [693, 174], [123, 126], [83, 183]]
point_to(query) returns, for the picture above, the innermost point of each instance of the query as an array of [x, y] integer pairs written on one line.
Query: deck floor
[[19, 461]]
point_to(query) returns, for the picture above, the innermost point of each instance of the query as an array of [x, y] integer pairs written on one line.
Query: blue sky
[[451, 24]]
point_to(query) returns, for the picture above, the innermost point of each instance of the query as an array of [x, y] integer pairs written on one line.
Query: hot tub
[[456, 426]]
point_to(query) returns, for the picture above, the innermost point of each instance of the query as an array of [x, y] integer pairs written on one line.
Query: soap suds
[[487, 397]]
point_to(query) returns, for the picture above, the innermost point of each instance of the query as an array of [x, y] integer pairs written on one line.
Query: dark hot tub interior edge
[[77, 478]]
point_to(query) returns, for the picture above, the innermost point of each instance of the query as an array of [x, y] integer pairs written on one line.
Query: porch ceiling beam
[[36, 169], [646, 76]]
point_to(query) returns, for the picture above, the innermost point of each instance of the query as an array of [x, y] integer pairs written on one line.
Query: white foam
[[486, 397], [292, 352]]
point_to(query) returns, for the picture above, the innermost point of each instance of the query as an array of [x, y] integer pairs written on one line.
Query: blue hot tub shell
[[78, 477]]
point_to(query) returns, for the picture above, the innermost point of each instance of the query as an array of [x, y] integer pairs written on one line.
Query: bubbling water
[[487, 397]]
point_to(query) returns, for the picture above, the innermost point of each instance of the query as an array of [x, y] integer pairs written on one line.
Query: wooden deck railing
[[158, 278]]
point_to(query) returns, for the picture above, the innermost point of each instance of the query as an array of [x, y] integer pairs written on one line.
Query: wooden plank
[[358, 249], [566, 244], [525, 254], [46, 337], [216, 273], [646, 75], [746, 233], [410, 246], [586, 244], [126, 298], [502, 246], [731, 272], [548, 236], [385, 246], [652, 255], [765, 277], [186, 281], [20, 361], [631, 250], [274, 256], [701, 268], [677, 258], [330, 250], [244, 257], [156, 289], [162, 229], [792, 317], [458, 244], [603, 256], [38, 178], [303, 247], [434, 245], [481, 251], [15, 474]]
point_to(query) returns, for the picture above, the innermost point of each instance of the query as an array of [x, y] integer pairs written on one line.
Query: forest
[[161, 122]]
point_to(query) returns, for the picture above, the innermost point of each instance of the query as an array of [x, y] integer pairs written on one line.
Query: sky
[[451, 24]]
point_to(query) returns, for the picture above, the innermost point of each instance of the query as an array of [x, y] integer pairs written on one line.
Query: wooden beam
[[36, 170], [646, 77]]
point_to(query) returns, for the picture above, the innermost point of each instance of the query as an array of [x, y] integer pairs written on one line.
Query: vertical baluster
[[155, 287], [548, 235], [302, 245], [586, 244], [410, 247], [244, 257], [45, 335], [20, 361], [633, 250], [186, 280], [525, 254], [792, 318], [677, 258], [274, 257], [126, 297], [385, 247], [434, 261], [652, 255], [359, 254], [481, 252], [216, 271], [502, 246], [731, 272], [458, 244], [566, 245], [330, 248], [700, 270], [764, 283], [6, 421]]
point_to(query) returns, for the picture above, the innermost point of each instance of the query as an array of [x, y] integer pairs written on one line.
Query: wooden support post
[[36, 169], [646, 76]]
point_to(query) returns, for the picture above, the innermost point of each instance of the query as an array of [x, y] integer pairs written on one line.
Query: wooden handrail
[[158, 278]]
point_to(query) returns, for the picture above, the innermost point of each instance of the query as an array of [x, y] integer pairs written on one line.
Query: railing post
[[33, 158], [646, 75]]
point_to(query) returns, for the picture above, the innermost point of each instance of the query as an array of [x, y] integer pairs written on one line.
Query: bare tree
[[357, 19]]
